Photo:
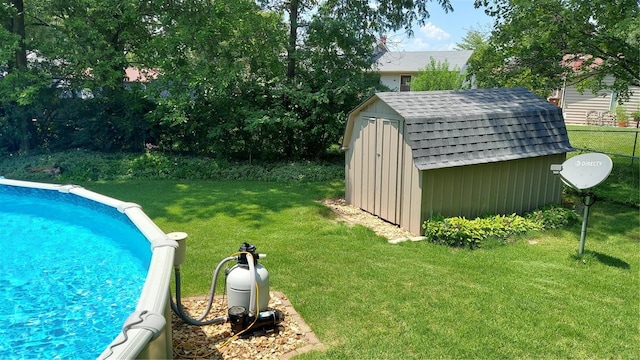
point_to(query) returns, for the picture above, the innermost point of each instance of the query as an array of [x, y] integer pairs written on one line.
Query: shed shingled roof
[[467, 127]]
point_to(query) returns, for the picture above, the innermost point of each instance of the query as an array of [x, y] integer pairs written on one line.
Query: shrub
[[462, 232], [553, 217], [80, 166]]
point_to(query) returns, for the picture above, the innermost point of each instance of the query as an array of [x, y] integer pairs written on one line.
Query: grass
[[610, 140], [623, 184], [366, 299]]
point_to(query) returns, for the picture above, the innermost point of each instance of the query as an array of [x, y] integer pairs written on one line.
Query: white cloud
[[418, 44], [431, 31], [449, 46], [426, 38], [423, 44]]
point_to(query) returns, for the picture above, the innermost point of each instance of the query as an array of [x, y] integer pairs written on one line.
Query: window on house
[[405, 80]]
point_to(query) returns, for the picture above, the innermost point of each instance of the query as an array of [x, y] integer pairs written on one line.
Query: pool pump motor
[[248, 293], [242, 320]]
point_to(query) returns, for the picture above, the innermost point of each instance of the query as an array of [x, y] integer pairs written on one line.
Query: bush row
[[462, 232], [82, 166]]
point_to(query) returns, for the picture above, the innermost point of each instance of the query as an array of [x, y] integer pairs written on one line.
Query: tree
[[374, 17], [205, 53], [474, 39], [90, 43], [76, 43], [13, 19], [329, 55], [534, 43], [232, 78], [18, 86], [438, 76], [218, 62]]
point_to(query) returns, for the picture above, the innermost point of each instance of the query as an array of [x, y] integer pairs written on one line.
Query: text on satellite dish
[[588, 163]]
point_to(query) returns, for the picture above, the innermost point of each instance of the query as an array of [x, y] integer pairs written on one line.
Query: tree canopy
[[541, 44], [438, 76], [225, 78]]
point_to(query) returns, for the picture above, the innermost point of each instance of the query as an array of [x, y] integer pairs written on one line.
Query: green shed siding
[[515, 186]]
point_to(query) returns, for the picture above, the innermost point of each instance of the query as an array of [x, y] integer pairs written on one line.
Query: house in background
[[134, 74], [398, 68], [587, 108], [413, 155]]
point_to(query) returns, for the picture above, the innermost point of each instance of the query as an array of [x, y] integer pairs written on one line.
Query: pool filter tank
[[248, 310], [239, 282]]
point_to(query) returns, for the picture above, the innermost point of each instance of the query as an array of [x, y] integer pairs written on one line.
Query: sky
[[442, 31]]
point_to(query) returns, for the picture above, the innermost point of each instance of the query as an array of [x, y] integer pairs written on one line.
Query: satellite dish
[[584, 171]]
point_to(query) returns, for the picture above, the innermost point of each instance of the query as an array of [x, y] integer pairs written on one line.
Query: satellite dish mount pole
[[583, 172], [588, 200]]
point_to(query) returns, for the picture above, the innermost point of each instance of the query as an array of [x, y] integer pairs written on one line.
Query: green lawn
[[367, 299], [623, 184], [604, 139]]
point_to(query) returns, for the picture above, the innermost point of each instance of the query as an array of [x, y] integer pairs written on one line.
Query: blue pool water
[[71, 272]]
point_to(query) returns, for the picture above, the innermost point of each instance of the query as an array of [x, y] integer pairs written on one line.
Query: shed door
[[383, 169]]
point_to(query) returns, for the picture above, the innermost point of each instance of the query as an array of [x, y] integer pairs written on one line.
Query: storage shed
[[413, 155]]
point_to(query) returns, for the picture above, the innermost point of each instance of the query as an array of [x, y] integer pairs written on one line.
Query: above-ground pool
[[83, 275]]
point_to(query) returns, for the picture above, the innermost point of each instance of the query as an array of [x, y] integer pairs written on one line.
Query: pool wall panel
[[138, 341]]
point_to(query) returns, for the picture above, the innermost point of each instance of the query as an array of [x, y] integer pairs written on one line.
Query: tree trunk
[[293, 38], [15, 25], [18, 29]]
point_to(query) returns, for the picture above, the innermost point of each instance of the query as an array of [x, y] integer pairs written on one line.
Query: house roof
[[413, 61], [467, 127], [133, 74]]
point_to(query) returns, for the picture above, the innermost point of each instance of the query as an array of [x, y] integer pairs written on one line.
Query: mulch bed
[[291, 337]]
